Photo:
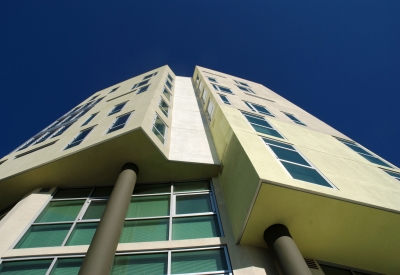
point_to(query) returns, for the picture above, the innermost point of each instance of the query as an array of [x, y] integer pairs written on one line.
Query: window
[[169, 85], [150, 75], [143, 89], [222, 89], [43, 137], [261, 125], [246, 89], [164, 107], [204, 96], [258, 108], [362, 152], [200, 260], [294, 119], [170, 78], [224, 99], [117, 108], [1, 162], [93, 97], [89, 119], [157, 212], [93, 103], [166, 93], [342, 270], [26, 144], [241, 83], [159, 128], [197, 80], [210, 109], [140, 84], [61, 130], [119, 123], [295, 164], [35, 149], [396, 175], [79, 138], [212, 79], [113, 90]]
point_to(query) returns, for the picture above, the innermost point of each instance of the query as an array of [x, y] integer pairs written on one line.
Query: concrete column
[[280, 241], [100, 256]]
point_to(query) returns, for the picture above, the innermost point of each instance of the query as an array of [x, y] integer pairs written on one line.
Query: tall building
[[212, 174]]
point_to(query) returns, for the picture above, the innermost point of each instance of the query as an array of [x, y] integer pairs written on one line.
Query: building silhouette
[[210, 174]]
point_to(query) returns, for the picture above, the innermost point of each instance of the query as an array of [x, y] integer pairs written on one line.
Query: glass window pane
[[258, 120], [376, 161], [191, 186], [60, 211], [143, 189], [397, 175], [145, 231], [150, 206], [68, 266], [95, 210], [72, 193], [34, 267], [198, 261], [167, 94], [357, 149], [193, 204], [226, 90], [266, 131], [261, 109], [270, 141], [44, 235], [195, 227], [288, 155], [330, 270], [147, 264], [82, 234], [305, 174], [102, 191]]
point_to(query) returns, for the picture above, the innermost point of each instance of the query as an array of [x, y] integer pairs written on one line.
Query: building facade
[[209, 174]]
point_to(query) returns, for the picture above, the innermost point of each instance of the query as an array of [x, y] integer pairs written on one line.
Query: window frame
[[162, 110], [115, 106], [218, 88], [261, 117], [73, 140], [311, 165], [115, 120], [154, 128], [294, 119], [88, 199], [251, 105], [228, 102]]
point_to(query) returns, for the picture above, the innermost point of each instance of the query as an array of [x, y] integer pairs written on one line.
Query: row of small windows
[[67, 121], [200, 260], [157, 212]]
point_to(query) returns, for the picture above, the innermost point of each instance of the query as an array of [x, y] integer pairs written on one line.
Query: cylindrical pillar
[[280, 241], [100, 255]]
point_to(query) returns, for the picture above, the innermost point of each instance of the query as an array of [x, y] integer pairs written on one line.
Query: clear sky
[[339, 60]]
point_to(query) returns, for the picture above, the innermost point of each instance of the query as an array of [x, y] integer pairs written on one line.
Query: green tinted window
[[69, 266], [305, 174], [72, 193], [59, 211], [289, 155], [195, 227], [266, 131], [82, 234], [102, 191], [150, 206], [267, 140], [191, 186], [151, 189], [145, 231], [44, 235], [34, 267], [198, 261], [376, 161], [148, 264], [95, 210], [193, 204]]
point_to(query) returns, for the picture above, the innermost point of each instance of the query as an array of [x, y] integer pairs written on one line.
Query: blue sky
[[339, 60]]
